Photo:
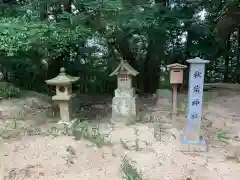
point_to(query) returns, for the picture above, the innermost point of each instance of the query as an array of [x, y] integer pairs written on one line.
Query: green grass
[[130, 172], [8, 90], [93, 135]]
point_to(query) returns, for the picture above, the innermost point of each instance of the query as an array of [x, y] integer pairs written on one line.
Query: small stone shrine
[[124, 103], [63, 83]]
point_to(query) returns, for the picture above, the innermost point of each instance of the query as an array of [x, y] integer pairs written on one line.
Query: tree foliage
[[89, 37]]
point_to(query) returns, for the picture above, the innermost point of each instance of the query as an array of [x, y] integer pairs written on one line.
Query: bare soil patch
[[36, 151]]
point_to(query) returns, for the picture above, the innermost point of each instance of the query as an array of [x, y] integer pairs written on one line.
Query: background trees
[[89, 37]]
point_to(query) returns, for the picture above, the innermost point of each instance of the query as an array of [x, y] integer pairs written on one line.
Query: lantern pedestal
[[65, 111]]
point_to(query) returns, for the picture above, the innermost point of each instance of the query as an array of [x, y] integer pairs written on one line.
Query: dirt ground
[[31, 148]]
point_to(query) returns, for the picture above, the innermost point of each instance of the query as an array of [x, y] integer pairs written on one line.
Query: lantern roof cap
[[62, 79]]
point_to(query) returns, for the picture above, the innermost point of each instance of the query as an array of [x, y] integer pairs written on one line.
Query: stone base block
[[193, 146], [61, 125], [129, 92], [125, 109]]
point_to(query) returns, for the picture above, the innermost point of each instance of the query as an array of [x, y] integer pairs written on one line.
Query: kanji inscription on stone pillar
[[195, 96]]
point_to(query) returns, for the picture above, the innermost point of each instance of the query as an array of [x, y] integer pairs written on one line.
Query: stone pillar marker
[[195, 96], [63, 83], [176, 77], [124, 103]]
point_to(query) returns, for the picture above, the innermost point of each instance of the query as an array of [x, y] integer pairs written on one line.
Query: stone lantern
[[63, 83], [124, 104]]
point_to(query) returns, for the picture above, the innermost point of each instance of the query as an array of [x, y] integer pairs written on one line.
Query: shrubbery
[[8, 90]]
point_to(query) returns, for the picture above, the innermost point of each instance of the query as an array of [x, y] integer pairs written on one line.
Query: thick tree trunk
[[151, 69], [187, 56], [123, 47], [238, 59], [227, 49], [43, 11], [54, 67], [68, 6], [148, 80]]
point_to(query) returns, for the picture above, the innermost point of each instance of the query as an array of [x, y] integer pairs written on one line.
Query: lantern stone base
[[124, 109], [62, 125], [66, 123]]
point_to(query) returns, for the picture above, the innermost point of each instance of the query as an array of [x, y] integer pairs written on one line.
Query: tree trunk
[[43, 11], [238, 58], [68, 6], [54, 67], [187, 56], [123, 47], [151, 68], [227, 49]]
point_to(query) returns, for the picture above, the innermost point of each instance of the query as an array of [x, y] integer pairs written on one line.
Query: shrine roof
[[124, 64], [62, 79]]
